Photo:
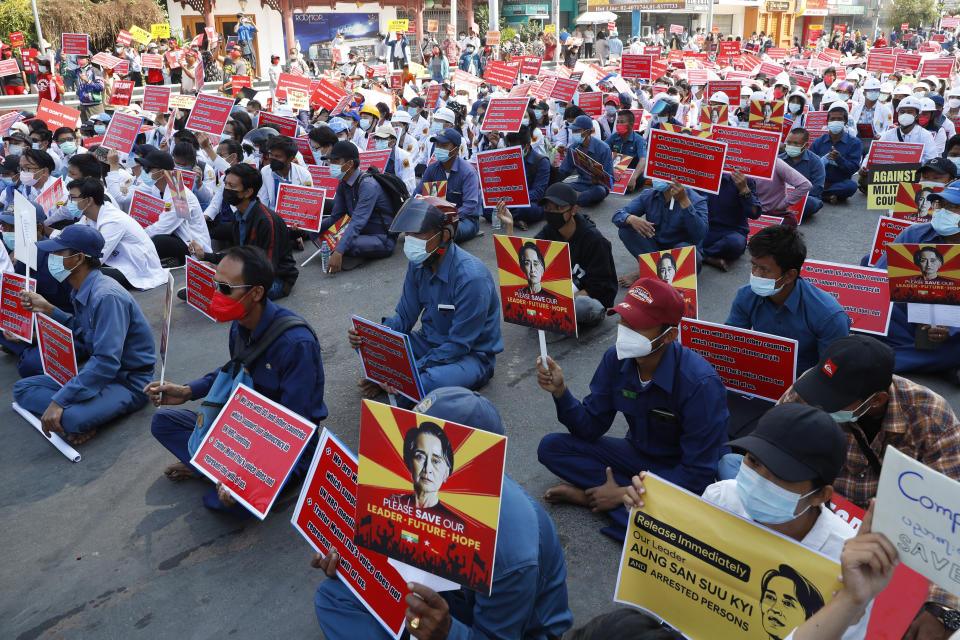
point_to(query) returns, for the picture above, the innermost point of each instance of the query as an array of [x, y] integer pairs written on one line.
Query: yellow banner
[[181, 101], [140, 35], [160, 30], [550, 28], [398, 25], [711, 574], [418, 70]]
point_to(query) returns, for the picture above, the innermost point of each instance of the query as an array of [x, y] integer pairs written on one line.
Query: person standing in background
[[246, 31]]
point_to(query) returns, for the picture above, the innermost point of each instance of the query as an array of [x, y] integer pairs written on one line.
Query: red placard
[[286, 126], [292, 81], [9, 67], [151, 61], [456, 536], [302, 206], [327, 95], [431, 98], [321, 178], [124, 37], [925, 273], [802, 81], [188, 178], [702, 166], [564, 89], [729, 87], [325, 516], [173, 59], [728, 49], [591, 103], [864, 293], [376, 159], [16, 39], [937, 67], [240, 82], [504, 115], [251, 448], [386, 357], [13, 317], [122, 92], [530, 64], [816, 123], [904, 26], [156, 98], [210, 114], [500, 73], [634, 65], [200, 285], [752, 152], [676, 28], [881, 63], [621, 173], [303, 146], [57, 353], [75, 44], [396, 82], [777, 53], [749, 362], [29, 57], [105, 60], [536, 285], [54, 194], [122, 132], [894, 153], [146, 209], [909, 61], [502, 177], [678, 268]]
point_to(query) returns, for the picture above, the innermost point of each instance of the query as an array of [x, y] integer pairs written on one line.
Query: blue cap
[[78, 237], [937, 99], [951, 194], [456, 404], [448, 135], [354, 115], [102, 117], [625, 100], [582, 123], [338, 125]]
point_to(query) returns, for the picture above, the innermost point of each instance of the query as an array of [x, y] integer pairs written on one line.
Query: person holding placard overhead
[[671, 397], [108, 324]]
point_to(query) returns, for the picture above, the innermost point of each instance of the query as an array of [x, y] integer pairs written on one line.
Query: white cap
[[909, 103], [401, 115], [829, 96], [385, 131], [783, 78], [886, 87], [872, 84], [446, 115], [720, 97], [902, 89], [953, 93], [758, 95], [926, 104], [839, 105], [745, 90]]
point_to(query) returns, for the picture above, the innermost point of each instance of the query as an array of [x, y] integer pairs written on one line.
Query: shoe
[[182, 293]]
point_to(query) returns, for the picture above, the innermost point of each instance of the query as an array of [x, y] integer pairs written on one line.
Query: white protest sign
[[918, 509], [25, 228]]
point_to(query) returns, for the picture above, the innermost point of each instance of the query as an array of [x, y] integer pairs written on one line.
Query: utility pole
[[36, 23]]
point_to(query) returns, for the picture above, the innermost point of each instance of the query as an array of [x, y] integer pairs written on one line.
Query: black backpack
[[393, 186]]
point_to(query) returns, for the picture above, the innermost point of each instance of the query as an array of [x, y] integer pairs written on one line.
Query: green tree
[[16, 15], [914, 12]]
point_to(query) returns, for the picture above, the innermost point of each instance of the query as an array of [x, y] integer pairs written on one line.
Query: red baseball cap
[[650, 302]]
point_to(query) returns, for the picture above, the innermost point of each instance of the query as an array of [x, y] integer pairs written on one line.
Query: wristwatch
[[949, 618]]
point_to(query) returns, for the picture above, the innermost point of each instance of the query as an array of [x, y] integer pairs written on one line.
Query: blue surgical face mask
[[576, 138], [413, 111], [835, 126], [9, 239], [6, 182], [611, 110], [945, 222], [660, 185], [956, 162], [35, 145], [68, 148], [766, 502], [872, 96], [850, 415], [538, 113], [663, 119], [792, 151], [436, 127], [146, 178], [365, 124], [442, 155], [74, 210], [764, 287], [336, 170], [795, 107], [15, 150], [55, 265], [380, 144], [100, 129], [416, 249]]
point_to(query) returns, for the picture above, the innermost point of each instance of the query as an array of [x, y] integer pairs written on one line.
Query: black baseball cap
[[560, 193], [941, 165], [156, 160], [346, 150], [797, 442], [851, 369]]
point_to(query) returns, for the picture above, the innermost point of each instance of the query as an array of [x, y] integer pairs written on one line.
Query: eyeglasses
[[226, 289]]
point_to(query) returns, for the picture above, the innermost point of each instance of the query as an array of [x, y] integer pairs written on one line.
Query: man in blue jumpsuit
[[108, 324], [537, 169], [462, 183], [529, 596], [289, 371], [944, 352], [727, 212], [798, 155], [840, 153], [452, 294], [363, 199], [592, 189], [672, 399]]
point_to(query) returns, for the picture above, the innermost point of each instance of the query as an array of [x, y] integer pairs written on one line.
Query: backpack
[[236, 372], [393, 186]]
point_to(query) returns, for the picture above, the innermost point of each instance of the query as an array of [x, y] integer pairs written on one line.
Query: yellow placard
[[160, 31], [181, 101], [140, 35], [711, 574], [399, 26], [417, 70], [550, 28], [298, 100], [433, 26]]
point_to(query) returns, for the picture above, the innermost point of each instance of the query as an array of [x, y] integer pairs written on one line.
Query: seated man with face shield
[[451, 293], [840, 153], [672, 399]]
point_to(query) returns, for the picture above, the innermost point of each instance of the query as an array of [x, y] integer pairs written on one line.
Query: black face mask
[[231, 196], [554, 219], [277, 165]]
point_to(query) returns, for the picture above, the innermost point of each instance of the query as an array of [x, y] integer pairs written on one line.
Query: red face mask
[[225, 309], [778, 94], [623, 129], [923, 120]]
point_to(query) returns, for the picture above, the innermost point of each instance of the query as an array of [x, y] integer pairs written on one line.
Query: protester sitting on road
[[630, 143], [667, 216], [855, 383], [36, 173], [908, 130], [840, 153], [454, 176], [108, 324], [728, 212], [453, 296], [529, 594], [778, 301], [537, 170], [798, 155], [278, 350], [774, 196], [624, 624], [672, 399], [281, 169], [400, 162], [591, 188]]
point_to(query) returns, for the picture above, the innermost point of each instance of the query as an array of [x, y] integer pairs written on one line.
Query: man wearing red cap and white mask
[[672, 399]]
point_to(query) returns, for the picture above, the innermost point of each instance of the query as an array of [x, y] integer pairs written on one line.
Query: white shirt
[[827, 536], [917, 135], [403, 166], [299, 175], [127, 247]]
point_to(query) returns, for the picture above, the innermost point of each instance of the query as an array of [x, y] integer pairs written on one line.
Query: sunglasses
[[227, 289]]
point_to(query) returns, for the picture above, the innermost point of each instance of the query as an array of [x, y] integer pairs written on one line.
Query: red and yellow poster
[[437, 188], [429, 492], [536, 286], [913, 202], [766, 115], [712, 114], [678, 268], [621, 173], [925, 273]]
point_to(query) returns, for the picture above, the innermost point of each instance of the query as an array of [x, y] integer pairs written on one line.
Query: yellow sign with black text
[[712, 574]]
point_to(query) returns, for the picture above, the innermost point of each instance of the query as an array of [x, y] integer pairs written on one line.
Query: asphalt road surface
[[109, 548]]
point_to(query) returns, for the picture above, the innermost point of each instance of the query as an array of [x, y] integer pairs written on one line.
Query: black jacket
[[268, 231], [591, 258]]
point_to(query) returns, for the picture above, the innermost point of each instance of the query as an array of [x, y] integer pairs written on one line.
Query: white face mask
[[631, 344], [954, 103], [906, 119]]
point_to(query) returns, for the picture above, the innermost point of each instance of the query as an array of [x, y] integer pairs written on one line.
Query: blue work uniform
[[676, 425], [289, 372], [588, 192], [529, 596], [108, 324], [677, 227], [459, 313], [809, 315], [633, 145], [463, 190], [839, 174], [901, 335], [810, 166], [366, 235], [537, 169], [728, 212]]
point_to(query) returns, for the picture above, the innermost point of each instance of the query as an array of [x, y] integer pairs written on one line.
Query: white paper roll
[[54, 439]]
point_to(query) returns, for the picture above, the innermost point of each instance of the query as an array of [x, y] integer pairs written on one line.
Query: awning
[[596, 17]]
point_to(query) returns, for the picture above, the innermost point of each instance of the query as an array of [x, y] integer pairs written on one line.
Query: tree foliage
[[16, 15], [914, 12]]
